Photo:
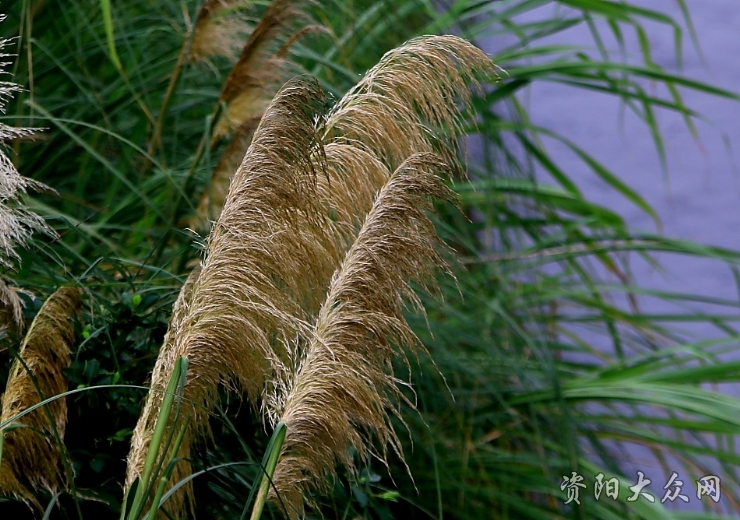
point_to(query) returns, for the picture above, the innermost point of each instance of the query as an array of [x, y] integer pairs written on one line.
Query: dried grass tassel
[[252, 83], [341, 393], [31, 452], [220, 29], [11, 312], [267, 251]]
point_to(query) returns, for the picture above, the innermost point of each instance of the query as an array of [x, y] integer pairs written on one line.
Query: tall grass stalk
[[269, 464], [159, 446]]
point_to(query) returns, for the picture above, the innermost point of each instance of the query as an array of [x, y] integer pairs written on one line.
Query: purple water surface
[[699, 200]]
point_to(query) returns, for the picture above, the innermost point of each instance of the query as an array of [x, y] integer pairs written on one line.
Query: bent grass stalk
[[269, 463], [158, 444]]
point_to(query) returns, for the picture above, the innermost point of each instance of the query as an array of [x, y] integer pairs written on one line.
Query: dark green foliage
[[118, 348]]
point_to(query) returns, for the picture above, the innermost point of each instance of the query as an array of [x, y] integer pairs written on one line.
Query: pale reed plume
[[16, 222], [354, 176], [253, 81], [266, 254], [410, 101], [11, 312], [344, 388], [32, 452], [220, 29]]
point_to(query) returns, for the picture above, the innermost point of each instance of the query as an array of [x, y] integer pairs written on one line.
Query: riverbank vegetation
[[395, 303]]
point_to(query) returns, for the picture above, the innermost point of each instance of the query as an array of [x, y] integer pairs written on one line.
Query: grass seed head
[[411, 100], [11, 311], [32, 450], [16, 221], [220, 29], [341, 394], [266, 253]]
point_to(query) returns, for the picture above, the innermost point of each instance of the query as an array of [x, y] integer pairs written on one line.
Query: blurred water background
[[697, 193]]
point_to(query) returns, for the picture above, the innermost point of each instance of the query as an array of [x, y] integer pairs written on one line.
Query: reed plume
[[265, 255], [31, 452], [16, 222], [11, 311], [306, 187], [213, 197], [220, 29], [411, 101], [253, 81], [408, 102], [344, 387]]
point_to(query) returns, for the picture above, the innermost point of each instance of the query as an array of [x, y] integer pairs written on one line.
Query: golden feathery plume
[[220, 30], [258, 74], [261, 67], [408, 102], [31, 451], [11, 311], [266, 253], [411, 101], [344, 387]]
